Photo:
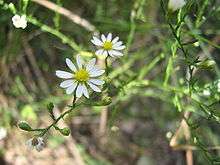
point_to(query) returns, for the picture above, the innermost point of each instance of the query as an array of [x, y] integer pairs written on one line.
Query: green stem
[[45, 130], [145, 70], [106, 66], [181, 45]]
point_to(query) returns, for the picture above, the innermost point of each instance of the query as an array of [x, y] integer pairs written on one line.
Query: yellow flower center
[[107, 45], [82, 75]]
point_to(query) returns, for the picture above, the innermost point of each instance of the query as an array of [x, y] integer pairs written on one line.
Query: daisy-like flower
[[81, 77], [19, 21], [36, 143], [176, 4], [108, 45]]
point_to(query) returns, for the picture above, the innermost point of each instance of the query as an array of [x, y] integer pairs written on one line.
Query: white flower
[[176, 4], [3, 133], [81, 77], [36, 143], [108, 45], [19, 21]]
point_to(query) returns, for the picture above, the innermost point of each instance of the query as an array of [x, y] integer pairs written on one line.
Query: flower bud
[[24, 126], [65, 131], [107, 101], [11, 6], [50, 107]]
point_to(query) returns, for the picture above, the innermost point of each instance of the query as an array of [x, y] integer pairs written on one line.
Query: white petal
[[110, 53], [79, 61], [119, 47], [90, 64], [99, 52], [19, 21], [96, 41], [119, 43], [105, 53], [23, 20], [115, 40], [103, 38], [97, 81], [40, 146], [85, 91], [16, 18], [96, 72], [66, 83], [94, 87], [16, 21], [70, 64], [109, 37], [115, 53], [63, 74], [24, 25], [79, 91], [71, 89]]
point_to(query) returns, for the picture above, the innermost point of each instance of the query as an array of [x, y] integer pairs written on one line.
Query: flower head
[[36, 143], [108, 45], [19, 21], [176, 4], [81, 77]]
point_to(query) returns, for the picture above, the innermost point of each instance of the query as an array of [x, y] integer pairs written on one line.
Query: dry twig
[[70, 15]]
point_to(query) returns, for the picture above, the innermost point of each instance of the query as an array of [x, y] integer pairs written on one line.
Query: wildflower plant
[[76, 83], [82, 76]]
